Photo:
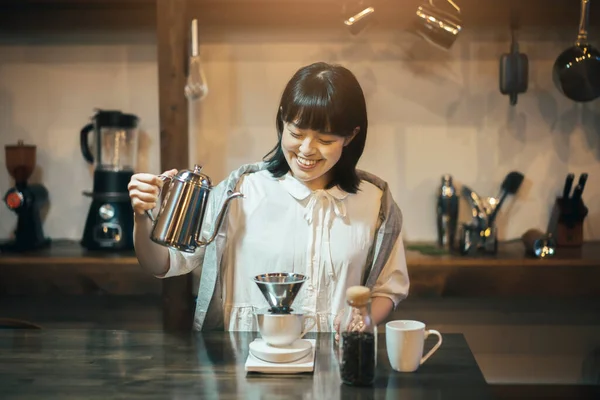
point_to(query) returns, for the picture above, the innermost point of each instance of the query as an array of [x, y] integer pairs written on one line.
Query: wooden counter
[[572, 272], [67, 268], [509, 253]]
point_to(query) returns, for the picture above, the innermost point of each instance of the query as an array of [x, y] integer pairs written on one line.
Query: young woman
[[307, 209]]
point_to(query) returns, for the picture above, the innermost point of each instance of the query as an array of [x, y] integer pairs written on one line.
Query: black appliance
[[25, 199], [113, 153]]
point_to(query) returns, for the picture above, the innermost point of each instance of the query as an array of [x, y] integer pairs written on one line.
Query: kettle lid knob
[[195, 176]]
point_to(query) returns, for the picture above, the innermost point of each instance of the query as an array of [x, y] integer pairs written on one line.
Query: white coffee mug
[[405, 340], [283, 329]]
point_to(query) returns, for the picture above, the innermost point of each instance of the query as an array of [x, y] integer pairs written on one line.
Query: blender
[[113, 154], [24, 199]]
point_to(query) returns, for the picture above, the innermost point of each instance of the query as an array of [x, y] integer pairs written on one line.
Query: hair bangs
[[315, 110]]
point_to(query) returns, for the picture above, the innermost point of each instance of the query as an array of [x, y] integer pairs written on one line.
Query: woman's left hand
[[355, 325], [336, 325]]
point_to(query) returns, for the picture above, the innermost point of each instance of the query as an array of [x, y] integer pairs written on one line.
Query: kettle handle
[[163, 178]]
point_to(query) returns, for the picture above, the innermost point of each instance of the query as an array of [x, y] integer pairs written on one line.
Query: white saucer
[[303, 365], [261, 350]]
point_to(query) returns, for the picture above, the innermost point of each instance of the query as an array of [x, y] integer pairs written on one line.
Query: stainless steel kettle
[[179, 221]]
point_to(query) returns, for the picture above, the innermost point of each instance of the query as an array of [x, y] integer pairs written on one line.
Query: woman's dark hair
[[324, 98]]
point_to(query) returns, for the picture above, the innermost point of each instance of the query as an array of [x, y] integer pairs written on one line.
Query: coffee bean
[[358, 358]]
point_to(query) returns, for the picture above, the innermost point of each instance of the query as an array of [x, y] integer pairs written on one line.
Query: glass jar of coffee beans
[[358, 339]]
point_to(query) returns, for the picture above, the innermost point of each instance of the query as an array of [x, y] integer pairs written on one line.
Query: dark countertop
[[102, 364]]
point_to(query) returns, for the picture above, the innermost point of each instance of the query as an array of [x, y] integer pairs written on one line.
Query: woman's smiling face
[[311, 155]]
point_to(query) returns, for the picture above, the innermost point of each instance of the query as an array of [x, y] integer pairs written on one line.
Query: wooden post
[[172, 31]]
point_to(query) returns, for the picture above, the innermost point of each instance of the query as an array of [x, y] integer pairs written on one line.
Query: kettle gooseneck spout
[[218, 222]]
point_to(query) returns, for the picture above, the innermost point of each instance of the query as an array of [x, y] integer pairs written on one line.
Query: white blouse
[[282, 226]]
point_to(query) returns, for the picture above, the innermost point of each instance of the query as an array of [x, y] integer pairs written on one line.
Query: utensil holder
[[474, 240], [566, 222]]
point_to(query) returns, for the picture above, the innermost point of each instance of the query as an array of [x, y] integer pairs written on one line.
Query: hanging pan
[[576, 72], [514, 69]]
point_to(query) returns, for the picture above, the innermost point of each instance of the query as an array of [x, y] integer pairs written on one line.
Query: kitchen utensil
[[568, 185], [472, 239], [437, 26], [24, 199], [358, 16], [514, 70], [447, 213], [179, 221], [569, 213], [283, 330], [511, 184], [272, 354], [538, 243], [466, 239], [578, 191], [480, 219], [405, 340], [576, 71], [114, 141], [196, 87], [256, 365], [280, 327], [280, 289], [566, 222], [357, 353], [112, 151], [481, 233]]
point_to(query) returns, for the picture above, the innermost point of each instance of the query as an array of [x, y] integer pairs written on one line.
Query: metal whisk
[[196, 87]]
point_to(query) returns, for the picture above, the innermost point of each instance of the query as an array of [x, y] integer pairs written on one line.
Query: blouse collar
[[299, 191]]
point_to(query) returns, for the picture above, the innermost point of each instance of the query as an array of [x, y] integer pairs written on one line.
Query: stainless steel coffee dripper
[[179, 221], [280, 289]]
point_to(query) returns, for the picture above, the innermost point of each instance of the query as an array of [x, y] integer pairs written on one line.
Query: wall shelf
[[66, 268]]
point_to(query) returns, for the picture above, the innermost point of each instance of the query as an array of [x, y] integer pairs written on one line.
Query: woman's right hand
[[144, 189]]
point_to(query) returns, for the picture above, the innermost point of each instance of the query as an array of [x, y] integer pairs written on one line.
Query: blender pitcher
[[112, 150], [114, 143]]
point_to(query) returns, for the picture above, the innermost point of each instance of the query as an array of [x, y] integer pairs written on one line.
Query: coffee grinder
[[113, 153], [25, 200]]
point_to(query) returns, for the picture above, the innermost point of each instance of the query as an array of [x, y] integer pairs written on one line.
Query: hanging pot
[[514, 71], [576, 72]]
